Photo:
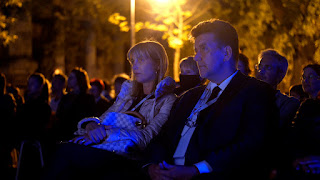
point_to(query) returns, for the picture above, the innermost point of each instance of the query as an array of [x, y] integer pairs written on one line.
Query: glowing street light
[[132, 22]]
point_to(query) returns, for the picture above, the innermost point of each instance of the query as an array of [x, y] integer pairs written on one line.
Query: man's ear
[[227, 53]]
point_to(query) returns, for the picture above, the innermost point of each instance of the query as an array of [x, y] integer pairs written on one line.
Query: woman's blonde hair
[[157, 53]]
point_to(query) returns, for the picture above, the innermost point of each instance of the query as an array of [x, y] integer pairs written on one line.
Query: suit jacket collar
[[227, 95]]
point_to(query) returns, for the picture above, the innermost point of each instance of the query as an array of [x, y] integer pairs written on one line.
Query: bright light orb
[[57, 71], [162, 1]]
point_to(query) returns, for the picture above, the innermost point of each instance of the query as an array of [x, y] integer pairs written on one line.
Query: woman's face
[[310, 81], [144, 69], [72, 81]]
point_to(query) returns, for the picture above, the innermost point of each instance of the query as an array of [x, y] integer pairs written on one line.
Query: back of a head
[[58, 83], [245, 60], [82, 79], [223, 31], [60, 77], [98, 83], [298, 90], [189, 62], [155, 51], [39, 77], [120, 78], [281, 61], [107, 85]]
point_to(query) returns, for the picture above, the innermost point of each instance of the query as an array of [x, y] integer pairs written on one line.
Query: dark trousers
[[73, 161]]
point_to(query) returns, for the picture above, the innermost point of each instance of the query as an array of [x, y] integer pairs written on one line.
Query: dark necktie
[[214, 93]]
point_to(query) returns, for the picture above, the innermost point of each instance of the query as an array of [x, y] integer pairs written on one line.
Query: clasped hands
[[96, 133], [163, 171]]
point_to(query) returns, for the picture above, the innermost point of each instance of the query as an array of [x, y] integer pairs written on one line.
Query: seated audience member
[[7, 111], [148, 93], [34, 115], [74, 106], [58, 89], [271, 69], [218, 131], [15, 91], [189, 75], [311, 80], [243, 64], [304, 140], [107, 90], [32, 121], [297, 92], [102, 104], [117, 83]]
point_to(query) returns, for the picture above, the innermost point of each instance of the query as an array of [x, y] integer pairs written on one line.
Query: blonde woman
[[148, 92]]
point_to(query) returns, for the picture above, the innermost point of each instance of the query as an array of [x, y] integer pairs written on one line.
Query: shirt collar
[[224, 83]]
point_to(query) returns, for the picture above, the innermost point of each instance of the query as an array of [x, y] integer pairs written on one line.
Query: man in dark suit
[[222, 130]]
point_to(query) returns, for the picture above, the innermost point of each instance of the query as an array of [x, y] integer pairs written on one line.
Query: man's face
[[310, 81], [268, 71], [209, 56], [185, 70]]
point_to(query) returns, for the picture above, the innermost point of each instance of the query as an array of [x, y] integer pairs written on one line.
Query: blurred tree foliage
[[72, 22], [6, 19], [290, 26], [172, 18]]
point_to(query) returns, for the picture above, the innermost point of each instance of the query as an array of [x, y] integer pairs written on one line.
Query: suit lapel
[[185, 107], [227, 95]]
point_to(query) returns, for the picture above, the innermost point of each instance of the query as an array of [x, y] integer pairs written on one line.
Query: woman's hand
[[91, 126], [98, 134], [84, 140]]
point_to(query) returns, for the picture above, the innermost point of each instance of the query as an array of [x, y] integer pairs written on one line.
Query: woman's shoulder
[[168, 97], [165, 87], [126, 89]]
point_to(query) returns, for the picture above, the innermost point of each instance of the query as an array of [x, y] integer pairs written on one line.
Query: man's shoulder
[[285, 98], [193, 91], [249, 83]]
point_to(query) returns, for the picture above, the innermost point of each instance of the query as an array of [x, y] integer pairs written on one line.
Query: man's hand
[[168, 171]]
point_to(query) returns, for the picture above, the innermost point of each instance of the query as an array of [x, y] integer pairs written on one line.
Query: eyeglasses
[[260, 67], [310, 77]]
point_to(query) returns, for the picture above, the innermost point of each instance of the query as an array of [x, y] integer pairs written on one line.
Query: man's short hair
[[315, 67], [223, 31], [281, 60]]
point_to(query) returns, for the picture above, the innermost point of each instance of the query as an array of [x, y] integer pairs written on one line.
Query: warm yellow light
[[57, 71], [163, 1]]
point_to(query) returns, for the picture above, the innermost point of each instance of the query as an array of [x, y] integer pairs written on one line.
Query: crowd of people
[[220, 121]]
